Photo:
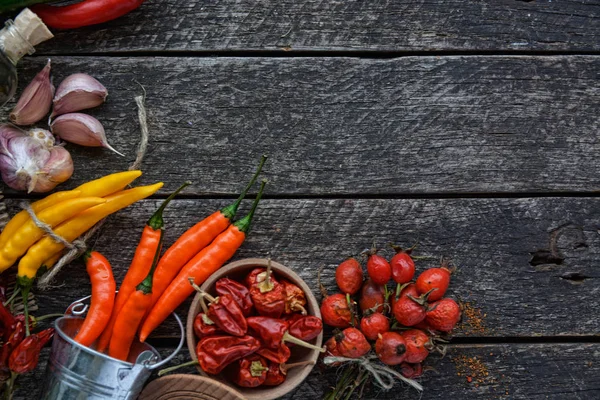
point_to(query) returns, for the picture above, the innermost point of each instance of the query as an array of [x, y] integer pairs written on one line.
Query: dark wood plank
[[532, 372], [406, 25], [490, 240], [352, 126]]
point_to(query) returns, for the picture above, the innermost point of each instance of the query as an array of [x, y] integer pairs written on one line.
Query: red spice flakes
[[473, 369], [472, 320]]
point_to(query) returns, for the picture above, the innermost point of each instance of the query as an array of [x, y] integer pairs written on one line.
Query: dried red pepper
[[8, 322], [16, 337], [249, 371], [277, 373], [203, 326], [238, 291], [273, 333], [306, 327], [216, 352], [26, 355], [225, 312], [278, 355], [268, 295], [295, 300]]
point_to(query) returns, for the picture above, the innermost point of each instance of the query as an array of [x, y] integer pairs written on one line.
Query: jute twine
[[78, 246]]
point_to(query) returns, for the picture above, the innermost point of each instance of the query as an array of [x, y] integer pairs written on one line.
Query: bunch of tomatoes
[[398, 322]]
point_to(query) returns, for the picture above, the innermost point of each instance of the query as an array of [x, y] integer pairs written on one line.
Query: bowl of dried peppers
[[256, 326]]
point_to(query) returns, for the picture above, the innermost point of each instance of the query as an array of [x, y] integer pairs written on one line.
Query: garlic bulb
[[35, 101], [81, 129], [28, 163], [78, 92]]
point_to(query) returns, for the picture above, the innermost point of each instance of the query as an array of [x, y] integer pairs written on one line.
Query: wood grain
[[490, 241], [350, 126], [353, 25], [515, 371]]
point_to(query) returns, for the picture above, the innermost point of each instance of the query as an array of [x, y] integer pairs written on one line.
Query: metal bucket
[[76, 372]]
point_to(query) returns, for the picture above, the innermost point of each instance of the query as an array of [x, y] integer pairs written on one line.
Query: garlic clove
[[81, 129], [36, 99], [78, 92], [57, 169]]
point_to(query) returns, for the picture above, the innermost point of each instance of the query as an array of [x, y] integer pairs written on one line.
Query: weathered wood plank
[[352, 126], [490, 240], [403, 25], [525, 371]]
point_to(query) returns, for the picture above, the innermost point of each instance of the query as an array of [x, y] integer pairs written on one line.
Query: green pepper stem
[[176, 367], [210, 298], [244, 224], [156, 220], [289, 338], [25, 296], [146, 285], [230, 211]]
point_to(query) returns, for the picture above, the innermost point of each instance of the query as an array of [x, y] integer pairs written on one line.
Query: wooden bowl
[[237, 271]]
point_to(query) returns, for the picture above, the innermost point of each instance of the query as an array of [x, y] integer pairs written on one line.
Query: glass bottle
[[17, 38]]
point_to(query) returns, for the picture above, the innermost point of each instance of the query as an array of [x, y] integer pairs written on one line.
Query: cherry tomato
[[411, 371], [379, 269], [409, 312], [403, 267], [374, 324], [349, 276], [371, 295], [416, 345], [335, 311], [391, 348], [443, 315], [434, 278]]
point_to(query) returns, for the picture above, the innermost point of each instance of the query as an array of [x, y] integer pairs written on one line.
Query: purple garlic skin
[[78, 92], [27, 163], [81, 129], [35, 101]]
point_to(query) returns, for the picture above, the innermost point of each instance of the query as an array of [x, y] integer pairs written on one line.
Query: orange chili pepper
[[140, 265], [195, 239], [210, 259], [131, 314], [103, 298]]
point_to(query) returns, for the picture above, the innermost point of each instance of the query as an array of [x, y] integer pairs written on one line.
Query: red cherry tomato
[[391, 348], [443, 315], [352, 343], [379, 269], [416, 345], [434, 278], [335, 311], [373, 325], [349, 276], [403, 267], [371, 295]]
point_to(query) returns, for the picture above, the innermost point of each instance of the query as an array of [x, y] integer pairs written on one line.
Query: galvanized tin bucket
[[75, 372]]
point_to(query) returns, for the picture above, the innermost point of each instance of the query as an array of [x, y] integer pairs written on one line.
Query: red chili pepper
[[268, 295], [278, 355], [8, 322], [249, 371], [16, 337], [87, 12], [306, 328], [277, 373], [103, 298], [216, 352], [25, 356], [238, 291], [225, 312], [273, 333], [203, 326], [295, 300]]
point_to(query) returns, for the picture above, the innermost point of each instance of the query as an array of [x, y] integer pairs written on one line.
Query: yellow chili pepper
[[101, 187], [76, 226], [18, 220], [29, 233]]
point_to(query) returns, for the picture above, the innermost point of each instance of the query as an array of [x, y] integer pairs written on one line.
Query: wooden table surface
[[469, 127]]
